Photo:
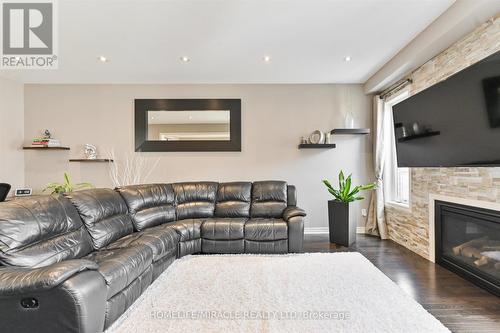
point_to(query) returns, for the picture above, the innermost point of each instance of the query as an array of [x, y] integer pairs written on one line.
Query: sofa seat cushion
[[223, 228], [119, 303], [223, 246], [187, 229], [121, 266], [189, 247], [162, 241], [262, 229], [268, 247]]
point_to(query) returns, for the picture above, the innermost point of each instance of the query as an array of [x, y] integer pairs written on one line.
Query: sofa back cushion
[[269, 199], [41, 230], [104, 214], [233, 199], [195, 200], [149, 205]]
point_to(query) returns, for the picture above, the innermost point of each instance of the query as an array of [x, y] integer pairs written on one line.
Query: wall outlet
[[363, 212]]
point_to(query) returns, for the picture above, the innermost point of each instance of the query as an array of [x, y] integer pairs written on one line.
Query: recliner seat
[[45, 286], [225, 231], [266, 231], [76, 263], [121, 263], [162, 241], [223, 235], [151, 206]]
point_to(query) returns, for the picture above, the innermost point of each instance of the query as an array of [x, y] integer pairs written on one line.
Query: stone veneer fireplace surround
[[412, 229]]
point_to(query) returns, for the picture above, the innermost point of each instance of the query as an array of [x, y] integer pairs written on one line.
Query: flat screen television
[[453, 123]]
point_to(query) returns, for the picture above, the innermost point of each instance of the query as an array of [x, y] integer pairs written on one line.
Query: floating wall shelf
[[319, 145], [355, 131], [96, 160], [45, 148], [418, 136]]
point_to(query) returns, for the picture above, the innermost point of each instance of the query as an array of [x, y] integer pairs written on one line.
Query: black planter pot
[[341, 232]]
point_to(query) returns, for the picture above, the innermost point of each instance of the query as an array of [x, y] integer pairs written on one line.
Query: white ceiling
[[226, 40]]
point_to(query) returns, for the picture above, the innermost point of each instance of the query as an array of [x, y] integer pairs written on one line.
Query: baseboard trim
[[324, 230], [315, 230]]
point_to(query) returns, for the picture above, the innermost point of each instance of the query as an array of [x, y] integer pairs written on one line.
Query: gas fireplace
[[468, 243]]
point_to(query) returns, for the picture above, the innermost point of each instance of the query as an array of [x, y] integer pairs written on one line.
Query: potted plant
[[66, 186], [338, 209]]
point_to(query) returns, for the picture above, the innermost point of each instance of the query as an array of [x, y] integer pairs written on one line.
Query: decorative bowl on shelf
[[317, 137]]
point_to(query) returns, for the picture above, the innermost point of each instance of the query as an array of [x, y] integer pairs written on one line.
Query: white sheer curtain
[[385, 163], [382, 127]]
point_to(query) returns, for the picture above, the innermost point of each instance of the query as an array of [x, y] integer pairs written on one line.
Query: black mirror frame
[[142, 106]]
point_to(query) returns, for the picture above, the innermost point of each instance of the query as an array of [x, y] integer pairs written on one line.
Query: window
[[401, 192], [398, 179]]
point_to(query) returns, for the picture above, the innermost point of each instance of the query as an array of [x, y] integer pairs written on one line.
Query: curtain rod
[[395, 87]]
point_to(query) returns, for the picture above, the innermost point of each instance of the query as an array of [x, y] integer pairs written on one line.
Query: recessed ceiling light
[[103, 59], [185, 59], [347, 58], [267, 58]]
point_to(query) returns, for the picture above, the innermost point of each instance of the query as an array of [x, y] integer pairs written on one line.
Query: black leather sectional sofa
[[75, 263]]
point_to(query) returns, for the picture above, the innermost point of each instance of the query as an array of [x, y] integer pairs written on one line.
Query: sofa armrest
[[18, 280], [295, 217], [77, 305], [292, 211]]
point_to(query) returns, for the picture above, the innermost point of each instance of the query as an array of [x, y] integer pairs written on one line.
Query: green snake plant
[[66, 186], [345, 192]]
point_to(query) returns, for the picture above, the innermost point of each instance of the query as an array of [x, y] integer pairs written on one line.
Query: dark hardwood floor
[[457, 303]]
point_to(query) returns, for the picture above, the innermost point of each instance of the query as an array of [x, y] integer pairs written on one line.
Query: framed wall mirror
[[187, 125]]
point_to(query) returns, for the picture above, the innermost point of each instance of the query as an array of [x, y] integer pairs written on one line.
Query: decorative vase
[[341, 232], [328, 138], [349, 120]]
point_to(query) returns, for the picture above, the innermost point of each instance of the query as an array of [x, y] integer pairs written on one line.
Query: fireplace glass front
[[468, 243]]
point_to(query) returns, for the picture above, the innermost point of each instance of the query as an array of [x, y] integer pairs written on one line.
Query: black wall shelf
[[96, 160], [355, 131], [418, 136], [45, 148], [316, 146]]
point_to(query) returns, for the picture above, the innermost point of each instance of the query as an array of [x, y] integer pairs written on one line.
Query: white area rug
[[317, 292]]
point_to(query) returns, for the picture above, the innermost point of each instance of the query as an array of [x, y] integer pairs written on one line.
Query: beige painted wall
[[411, 228], [274, 117], [11, 133]]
